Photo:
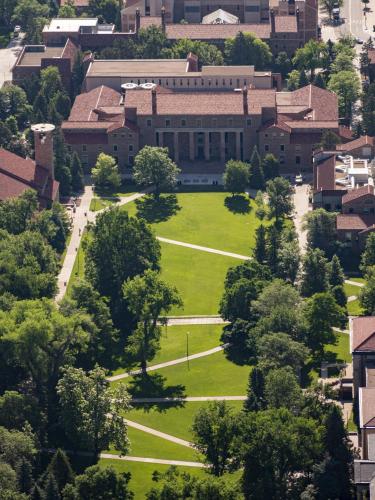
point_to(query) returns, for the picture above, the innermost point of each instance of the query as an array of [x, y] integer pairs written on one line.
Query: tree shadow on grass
[[315, 364], [157, 209], [238, 204], [153, 386]]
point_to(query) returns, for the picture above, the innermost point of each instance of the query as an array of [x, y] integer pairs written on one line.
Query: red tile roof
[[364, 140], [325, 174], [355, 194], [362, 329], [215, 31], [354, 222], [18, 174]]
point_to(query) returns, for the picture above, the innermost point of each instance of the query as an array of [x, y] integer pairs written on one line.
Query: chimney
[[137, 20], [272, 15], [163, 18], [297, 18], [43, 139], [153, 100], [123, 95], [192, 61], [244, 101]]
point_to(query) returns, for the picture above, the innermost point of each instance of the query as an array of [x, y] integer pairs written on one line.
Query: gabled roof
[[362, 332], [366, 407], [364, 140], [358, 193], [354, 222], [220, 16], [325, 174]]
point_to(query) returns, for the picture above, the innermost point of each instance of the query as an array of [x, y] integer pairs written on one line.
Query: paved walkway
[[301, 206], [189, 399], [80, 219], [352, 298], [128, 458], [204, 249], [196, 320], [163, 435], [354, 283], [335, 329], [169, 363]]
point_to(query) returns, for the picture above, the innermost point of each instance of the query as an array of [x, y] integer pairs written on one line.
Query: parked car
[[359, 40], [16, 31]]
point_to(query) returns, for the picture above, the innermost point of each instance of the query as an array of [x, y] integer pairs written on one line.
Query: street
[[8, 57]]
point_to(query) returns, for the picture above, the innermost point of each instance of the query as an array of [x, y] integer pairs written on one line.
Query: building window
[[84, 148], [183, 123], [282, 147], [100, 149], [130, 148], [298, 160], [69, 149], [149, 123], [130, 160], [115, 147], [130, 136], [298, 147], [248, 122], [348, 236], [266, 147], [167, 123]]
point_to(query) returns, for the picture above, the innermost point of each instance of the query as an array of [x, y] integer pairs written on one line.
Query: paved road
[[127, 458], [8, 58], [301, 205], [169, 363], [204, 249], [189, 399], [196, 320], [162, 435]]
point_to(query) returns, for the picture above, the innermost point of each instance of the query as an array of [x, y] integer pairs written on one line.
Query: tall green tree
[[247, 49], [255, 392], [105, 174], [236, 176], [256, 177], [91, 412], [62, 163], [153, 167], [367, 293], [282, 64], [214, 429], [279, 350], [310, 57], [16, 213], [77, 173], [150, 42], [368, 110], [280, 191], [346, 85], [208, 54], [259, 251], [271, 166], [61, 469], [121, 247], [321, 230], [277, 447], [328, 6], [107, 10], [314, 273], [281, 389], [368, 256], [148, 297]]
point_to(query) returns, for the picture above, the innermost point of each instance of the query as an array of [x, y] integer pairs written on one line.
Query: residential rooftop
[[33, 54], [70, 25]]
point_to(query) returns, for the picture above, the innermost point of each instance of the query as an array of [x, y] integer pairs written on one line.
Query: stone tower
[[43, 139]]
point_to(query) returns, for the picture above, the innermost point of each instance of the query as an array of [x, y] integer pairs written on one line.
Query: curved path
[[168, 363], [203, 249]]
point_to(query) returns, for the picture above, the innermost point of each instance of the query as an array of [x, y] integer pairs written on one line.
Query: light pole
[[187, 349]]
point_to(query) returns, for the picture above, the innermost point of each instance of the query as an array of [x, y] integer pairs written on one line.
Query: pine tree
[[62, 164], [40, 107], [368, 256], [260, 254], [270, 167], [314, 273], [335, 272], [319, 81], [303, 81], [24, 475], [78, 74], [255, 393], [77, 173], [256, 179], [61, 470], [37, 493], [51, 490], [273, 244]]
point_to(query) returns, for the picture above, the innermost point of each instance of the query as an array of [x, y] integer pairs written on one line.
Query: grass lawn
[[358, 280], [143, 444], [141, 474], [212, 375], [173, 342], [341, 348], [175, 420], [199, 277], [354, 308], [62, 257], [351, 290], [79, 265], [208, 219], [100, 203]]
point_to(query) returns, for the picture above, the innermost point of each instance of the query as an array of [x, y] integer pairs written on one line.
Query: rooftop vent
[[147, 85], [129, 86]]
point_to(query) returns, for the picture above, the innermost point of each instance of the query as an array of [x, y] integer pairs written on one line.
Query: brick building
[[202, 129], [33, 58], [176, 74], [18, 174]]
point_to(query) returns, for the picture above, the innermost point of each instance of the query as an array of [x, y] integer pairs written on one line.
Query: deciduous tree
[[236, 176], [105, 174]]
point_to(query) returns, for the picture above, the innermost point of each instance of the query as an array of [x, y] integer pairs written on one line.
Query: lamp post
[[187, 350]]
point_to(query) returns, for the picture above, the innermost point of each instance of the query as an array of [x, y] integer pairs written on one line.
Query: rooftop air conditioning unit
[[147, 85], [129, 86]]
